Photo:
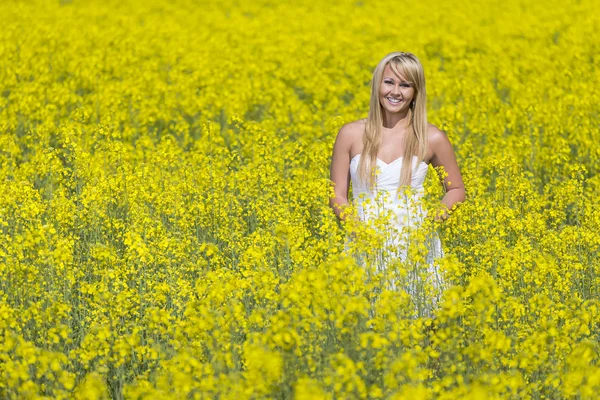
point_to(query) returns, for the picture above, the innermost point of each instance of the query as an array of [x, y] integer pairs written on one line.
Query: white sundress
[[404, 211]]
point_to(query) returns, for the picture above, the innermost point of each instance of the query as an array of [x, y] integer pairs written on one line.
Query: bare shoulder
[[351, 133], [353, 128], [442, 151], [435, 135], [438, 143]]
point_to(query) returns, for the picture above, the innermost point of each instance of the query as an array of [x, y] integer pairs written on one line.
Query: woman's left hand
[[441, 214]]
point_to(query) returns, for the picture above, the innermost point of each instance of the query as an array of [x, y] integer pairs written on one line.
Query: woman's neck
[[395, 120]]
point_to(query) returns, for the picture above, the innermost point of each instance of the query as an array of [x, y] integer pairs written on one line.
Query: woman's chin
[[395, 110]]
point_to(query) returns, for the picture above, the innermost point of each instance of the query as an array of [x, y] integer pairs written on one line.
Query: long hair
[[415, 139]]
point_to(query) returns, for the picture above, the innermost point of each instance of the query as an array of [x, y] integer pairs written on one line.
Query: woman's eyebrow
[[401, 81]]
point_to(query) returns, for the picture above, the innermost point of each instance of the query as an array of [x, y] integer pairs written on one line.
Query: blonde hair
[[415, 140]]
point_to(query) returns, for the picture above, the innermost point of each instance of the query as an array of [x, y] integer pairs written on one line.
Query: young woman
[[392, 148]]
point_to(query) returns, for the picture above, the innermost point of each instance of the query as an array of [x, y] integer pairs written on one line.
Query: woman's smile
[[394, 101]]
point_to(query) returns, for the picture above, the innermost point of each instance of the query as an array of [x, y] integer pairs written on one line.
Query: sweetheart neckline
[[387, 164]]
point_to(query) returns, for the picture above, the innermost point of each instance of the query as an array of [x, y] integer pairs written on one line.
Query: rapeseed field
[[164, 221]]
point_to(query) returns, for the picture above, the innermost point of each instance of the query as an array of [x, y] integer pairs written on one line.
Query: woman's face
[[395, 92]]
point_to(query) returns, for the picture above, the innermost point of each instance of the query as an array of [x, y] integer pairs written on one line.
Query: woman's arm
[[443, 156], [339, 172]]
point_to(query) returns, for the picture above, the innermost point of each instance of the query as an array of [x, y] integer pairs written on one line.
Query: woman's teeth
[[393, 101]]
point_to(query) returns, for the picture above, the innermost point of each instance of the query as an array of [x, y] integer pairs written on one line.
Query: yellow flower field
[[164, 221]]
